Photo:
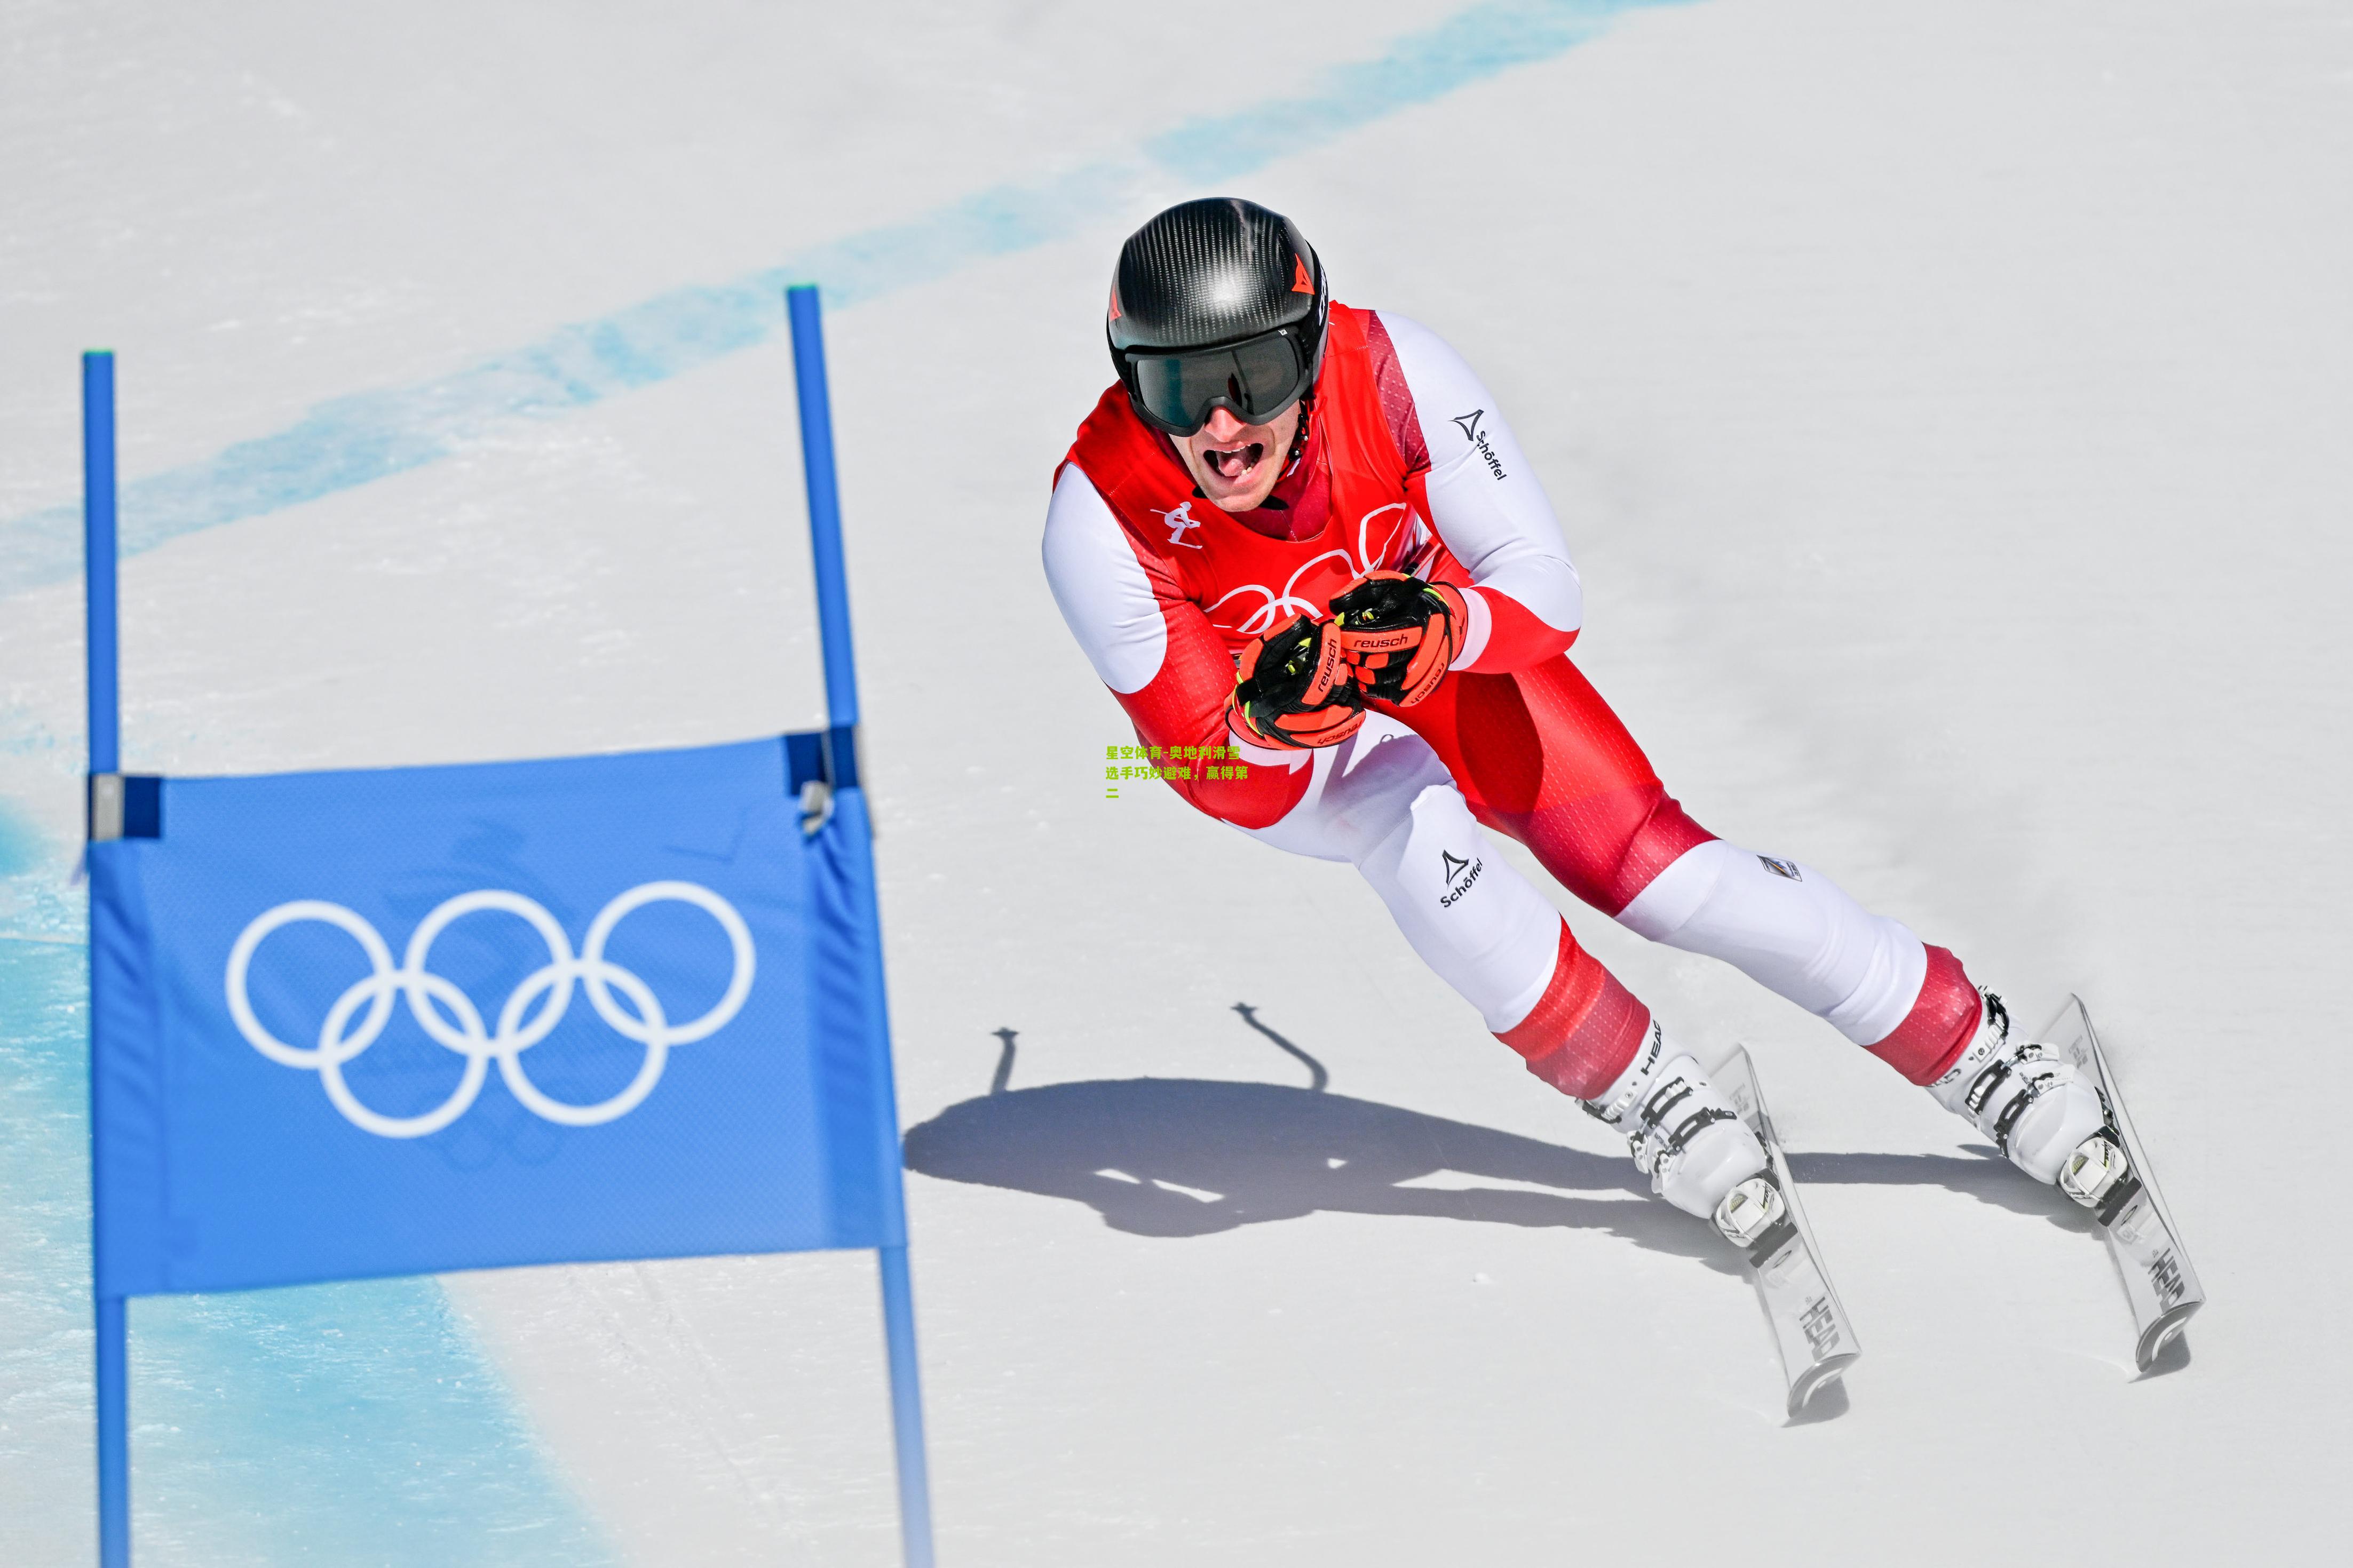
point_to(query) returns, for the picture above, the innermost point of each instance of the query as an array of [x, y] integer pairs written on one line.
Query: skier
[[1302, 534]]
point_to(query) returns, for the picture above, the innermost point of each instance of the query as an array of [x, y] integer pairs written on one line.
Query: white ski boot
[[1699, 1155], [2049, 1117]]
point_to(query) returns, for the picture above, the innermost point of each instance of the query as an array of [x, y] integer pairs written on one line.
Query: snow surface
[[1949, 403]]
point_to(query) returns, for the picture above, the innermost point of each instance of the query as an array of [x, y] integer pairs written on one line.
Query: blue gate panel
[[420, 1019]]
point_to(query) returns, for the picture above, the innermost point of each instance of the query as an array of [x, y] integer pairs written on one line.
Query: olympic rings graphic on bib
[[449, 1017]]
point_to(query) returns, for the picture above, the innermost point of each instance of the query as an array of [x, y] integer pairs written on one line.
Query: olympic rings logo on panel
[[447, 1015]]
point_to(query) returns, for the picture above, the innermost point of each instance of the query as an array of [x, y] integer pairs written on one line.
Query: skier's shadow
[[1189, 1157]]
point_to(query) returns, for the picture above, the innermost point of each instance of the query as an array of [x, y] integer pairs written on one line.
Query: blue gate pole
[[824, 505], [105, 757], [842, 708]]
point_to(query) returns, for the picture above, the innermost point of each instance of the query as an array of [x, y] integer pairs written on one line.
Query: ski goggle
[[1254, 380]]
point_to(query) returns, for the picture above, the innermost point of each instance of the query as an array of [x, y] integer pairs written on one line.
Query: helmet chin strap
[[1299, 436]]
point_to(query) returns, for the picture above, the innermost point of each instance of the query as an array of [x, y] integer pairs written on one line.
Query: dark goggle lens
[[1256, 380]]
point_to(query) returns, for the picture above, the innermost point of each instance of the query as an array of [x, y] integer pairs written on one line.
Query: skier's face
[[1235, 464]]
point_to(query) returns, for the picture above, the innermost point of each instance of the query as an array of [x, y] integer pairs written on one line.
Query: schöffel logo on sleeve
[[449, 1017], [1477, 438]]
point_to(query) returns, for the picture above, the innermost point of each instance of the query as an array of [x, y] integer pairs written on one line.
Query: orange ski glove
[[1399, 634], [1293, 688]]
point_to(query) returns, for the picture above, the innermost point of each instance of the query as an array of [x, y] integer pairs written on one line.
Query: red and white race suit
[[1408, 465]]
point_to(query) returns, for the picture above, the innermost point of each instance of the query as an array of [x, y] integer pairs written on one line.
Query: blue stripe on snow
[[368, 436]]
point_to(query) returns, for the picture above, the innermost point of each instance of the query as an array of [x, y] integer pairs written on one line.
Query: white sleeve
[[1105, 598], [1484, 500]]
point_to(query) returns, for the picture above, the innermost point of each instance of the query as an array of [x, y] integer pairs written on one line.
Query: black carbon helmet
[[1217, 301]]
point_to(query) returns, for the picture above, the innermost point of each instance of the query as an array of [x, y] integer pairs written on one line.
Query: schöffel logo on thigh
[[1780, 868], [1459, 873], [450, 1018]]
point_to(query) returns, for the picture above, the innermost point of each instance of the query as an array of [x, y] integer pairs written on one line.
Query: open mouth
[[1232, 464]]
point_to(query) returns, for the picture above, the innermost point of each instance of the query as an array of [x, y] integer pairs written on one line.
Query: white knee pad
[[1790, 929]]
